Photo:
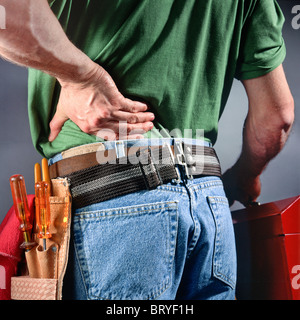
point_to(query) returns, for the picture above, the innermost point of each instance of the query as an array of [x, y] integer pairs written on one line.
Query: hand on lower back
[[97, 107]]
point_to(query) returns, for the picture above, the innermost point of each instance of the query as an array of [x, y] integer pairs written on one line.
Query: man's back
[[180, 57]]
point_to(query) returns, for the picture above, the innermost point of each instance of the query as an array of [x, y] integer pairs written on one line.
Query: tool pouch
[[43, 277]]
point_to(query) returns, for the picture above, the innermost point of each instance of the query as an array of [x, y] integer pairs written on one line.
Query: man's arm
[[89, 97], [267, 126]]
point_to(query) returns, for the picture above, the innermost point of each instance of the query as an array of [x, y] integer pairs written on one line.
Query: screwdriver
[[42, 200], [19, 195], [45, 172], [42, 207], [37, 173]]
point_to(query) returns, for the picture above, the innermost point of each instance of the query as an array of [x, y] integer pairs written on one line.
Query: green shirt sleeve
[[262, 46]]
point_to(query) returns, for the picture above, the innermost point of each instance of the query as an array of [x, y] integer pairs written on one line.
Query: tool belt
[[42, 276], [98, 176]]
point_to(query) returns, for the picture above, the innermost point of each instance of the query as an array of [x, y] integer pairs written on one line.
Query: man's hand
[[239, 187], [95, 105]]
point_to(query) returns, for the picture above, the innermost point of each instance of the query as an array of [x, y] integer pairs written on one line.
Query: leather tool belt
[[42, 278], [99, 176]]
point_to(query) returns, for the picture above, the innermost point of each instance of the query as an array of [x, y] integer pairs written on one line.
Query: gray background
[[279, 181]]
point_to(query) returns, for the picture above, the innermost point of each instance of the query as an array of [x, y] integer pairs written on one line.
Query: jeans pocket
[[127, 253], [224, 259]]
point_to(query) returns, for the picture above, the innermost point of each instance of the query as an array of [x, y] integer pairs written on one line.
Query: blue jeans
[[174, 242]]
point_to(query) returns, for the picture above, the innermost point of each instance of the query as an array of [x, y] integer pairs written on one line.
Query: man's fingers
[[122, 130], [55, 125], [133, 117], [133, 106]]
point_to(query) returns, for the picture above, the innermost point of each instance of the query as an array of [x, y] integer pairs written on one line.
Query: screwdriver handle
[[37, 173], [18, 190], [45, 172], [42, 206], [19, 195]]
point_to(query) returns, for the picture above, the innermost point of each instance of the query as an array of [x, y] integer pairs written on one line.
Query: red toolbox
[[268, 251]]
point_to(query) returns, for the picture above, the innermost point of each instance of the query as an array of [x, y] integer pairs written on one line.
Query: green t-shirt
[[179, 56]]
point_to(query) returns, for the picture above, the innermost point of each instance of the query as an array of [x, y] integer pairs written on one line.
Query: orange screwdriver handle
[[37, 173], [45, 173], [42, 206], [18, 190]]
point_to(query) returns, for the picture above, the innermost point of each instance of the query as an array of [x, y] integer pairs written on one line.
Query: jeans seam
[[203, 185], [166, 207], [79, 266], [171, 189], [213, 201], [196, 231]]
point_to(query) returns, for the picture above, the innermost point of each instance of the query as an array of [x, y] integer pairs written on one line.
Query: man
[[126, 62]]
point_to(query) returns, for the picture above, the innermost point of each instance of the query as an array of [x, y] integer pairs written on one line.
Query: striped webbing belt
[[100, 176]]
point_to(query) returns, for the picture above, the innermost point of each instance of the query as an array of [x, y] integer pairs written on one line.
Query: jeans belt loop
[[120, 149], [149, 169], [178, 179]]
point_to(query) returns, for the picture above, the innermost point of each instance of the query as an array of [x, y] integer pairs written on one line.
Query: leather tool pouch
[[42, 279]]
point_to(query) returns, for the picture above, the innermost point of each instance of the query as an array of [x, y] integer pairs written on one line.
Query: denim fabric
[[174, 242]]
